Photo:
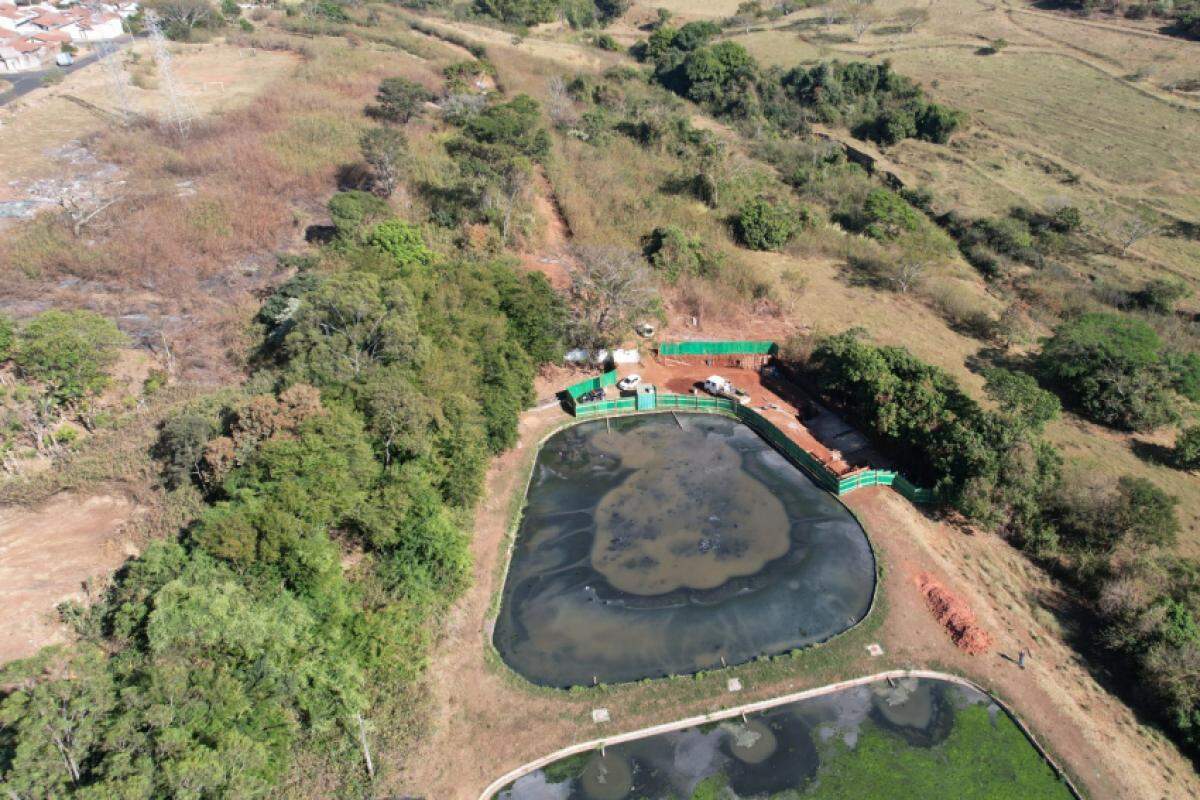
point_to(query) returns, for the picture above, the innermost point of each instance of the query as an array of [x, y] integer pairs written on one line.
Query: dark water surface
[[912, 739], [661, 546]]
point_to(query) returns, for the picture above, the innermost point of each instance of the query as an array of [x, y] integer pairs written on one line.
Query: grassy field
[[215, 78], [1070, 112]]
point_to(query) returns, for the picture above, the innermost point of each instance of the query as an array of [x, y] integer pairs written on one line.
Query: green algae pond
[[668, 544], [911, 739]]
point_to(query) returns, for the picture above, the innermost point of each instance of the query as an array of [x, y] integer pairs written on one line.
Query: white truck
[[721, 387]]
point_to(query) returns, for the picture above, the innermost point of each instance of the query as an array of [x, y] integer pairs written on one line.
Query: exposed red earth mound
[[955, 615]]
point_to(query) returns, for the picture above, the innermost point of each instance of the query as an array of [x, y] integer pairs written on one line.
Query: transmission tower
[[110, 58], [179, 110]]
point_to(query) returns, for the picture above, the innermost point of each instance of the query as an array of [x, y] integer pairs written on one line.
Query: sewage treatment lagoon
[[916, 739], [664, 544]]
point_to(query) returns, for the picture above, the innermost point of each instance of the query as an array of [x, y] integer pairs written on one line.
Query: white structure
[[721, 387], [31, 37]]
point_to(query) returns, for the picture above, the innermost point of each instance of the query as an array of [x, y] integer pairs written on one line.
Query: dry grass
[[690, 9], [191, 243], [1045, 127], [216, 78]]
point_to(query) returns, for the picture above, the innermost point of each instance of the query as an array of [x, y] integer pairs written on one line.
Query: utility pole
[[109, 58], [179, 111]]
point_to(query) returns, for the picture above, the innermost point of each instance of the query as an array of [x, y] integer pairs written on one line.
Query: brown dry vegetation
[[181, 257]]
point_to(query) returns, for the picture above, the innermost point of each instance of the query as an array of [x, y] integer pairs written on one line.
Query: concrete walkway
[[762, 705]]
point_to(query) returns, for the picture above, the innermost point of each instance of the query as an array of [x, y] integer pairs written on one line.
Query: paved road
[[25, 82]]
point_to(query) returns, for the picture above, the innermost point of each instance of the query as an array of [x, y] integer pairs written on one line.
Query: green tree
[[721, 76], [609, 10], [1186, 454], [1019, 396], [386, 151], [399, 414], [536, 314], [68, 351], [352, 323], [763, 224], [57, 726], [1111, 368], [398, 100]]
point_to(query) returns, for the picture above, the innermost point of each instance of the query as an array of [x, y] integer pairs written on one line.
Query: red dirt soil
[[955, 615]]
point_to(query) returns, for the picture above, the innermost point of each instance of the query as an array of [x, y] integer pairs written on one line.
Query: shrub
[[605, 41], [1161, 295], [1112, 370], [69, 351], [352, 212], [763, 224], [402, 242], [674, 254], [887, 216], [518, 12], [7, 336], [180, 447], [935, 123], [398, 100], [1186, 454]]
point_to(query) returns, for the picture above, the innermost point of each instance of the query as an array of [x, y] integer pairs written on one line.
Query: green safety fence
[[794, 452], [824, 477], [717, 348], [913, 493], [591, 384]]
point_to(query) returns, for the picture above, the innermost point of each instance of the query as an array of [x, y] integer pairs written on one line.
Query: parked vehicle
[[629, 382], [721, 387], [591, 397], [64, 59]]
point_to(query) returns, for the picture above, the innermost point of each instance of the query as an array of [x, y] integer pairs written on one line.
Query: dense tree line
[[220, 663], [525, 13], [1110, 540], [1182, 18], [871, 99]]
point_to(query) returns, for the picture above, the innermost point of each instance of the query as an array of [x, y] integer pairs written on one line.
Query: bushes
[[68, 351], [674, 254], [1111, 368], [887, 216], [762, 224], [398, 100]]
